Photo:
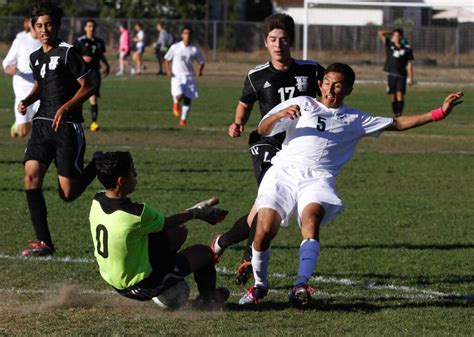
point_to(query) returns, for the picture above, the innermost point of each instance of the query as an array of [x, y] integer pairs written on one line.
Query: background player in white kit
[[17, 64], [320, 139], [182, 74]]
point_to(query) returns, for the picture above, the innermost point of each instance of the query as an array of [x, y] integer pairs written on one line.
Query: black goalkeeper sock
[[239, 232], [394, 107], [206, 280], [94, 112], [248, 248], [39, 215], [401, 105]]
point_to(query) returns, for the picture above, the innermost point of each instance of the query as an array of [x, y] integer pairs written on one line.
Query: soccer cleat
[[244, 273], [253, 296], [176, 109], [38, 249], [206, 203], [216, 252], [212, 301], [94, 126], [13, 133], [182, 122], [300, 295]]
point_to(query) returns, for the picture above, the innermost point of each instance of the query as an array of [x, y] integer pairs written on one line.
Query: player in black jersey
[[398, 66], [62, 85], [92, 50], [270, 84]]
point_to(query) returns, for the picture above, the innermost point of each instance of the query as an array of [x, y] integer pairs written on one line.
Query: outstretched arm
[[202, 211], [409, 122], [267, 124]]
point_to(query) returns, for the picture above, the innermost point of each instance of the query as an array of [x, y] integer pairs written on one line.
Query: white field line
[[415, 293]]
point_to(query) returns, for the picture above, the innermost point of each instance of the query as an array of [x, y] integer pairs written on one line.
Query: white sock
[[309, 251], [175, 100], [217, 249], [260, 261], [184, 111]]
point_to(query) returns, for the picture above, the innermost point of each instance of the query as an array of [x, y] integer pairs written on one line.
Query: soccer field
[[398, 261]]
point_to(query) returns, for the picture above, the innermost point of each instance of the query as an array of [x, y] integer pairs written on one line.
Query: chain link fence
[[221, 40]]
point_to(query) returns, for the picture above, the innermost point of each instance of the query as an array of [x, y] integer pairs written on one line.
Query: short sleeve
[[410, 56], [79, 47], [198, 57], [373, 125], [75, 63], [12, 55], [170, 53], [151, 220], [249, 96]]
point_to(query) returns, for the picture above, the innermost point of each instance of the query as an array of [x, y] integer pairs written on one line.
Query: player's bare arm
[[409, 122], [107, 66], [11, 69], [410, 79], [266, 126], [383, 33], [32, 97], [242, 114], [168, 68], [201, 69], [84, 92]]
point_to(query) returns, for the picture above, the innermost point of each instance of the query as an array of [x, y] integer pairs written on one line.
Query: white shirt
[[183, 58], [323, 138], [140, 39], [19, 55]]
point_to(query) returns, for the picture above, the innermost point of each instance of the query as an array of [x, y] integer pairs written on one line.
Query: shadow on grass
[[358, 304]]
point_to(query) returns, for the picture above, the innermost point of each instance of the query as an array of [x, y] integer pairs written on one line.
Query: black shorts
[[262, 151], [66, 146], [96, 79], [168, 266], [396, 83]]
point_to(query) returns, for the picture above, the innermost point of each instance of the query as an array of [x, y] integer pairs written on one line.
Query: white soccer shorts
[[184, 85], [21, 91], [285, 188]]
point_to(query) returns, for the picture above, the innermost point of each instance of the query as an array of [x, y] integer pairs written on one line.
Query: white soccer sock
[[217, 248], [184, 111], [309, 251], [260, 261], [175, 100]]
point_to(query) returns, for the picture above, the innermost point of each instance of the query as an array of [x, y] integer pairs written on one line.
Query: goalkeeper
[[137, 246]]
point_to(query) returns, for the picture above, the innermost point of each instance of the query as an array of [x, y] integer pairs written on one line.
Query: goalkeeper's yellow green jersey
[[120, 229]]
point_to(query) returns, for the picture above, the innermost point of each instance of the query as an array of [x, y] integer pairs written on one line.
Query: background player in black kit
[[62, 85], [92, 50], [270, 84], [398, 66]]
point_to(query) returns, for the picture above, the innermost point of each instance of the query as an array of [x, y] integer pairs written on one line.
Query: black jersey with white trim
[[94, 48], [270, 86], [57, 73], [397, 58]]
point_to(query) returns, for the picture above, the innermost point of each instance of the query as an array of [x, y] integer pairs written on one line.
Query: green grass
[[398, 261]]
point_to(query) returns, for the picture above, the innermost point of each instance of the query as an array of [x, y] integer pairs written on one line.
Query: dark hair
[[90, 20], [399, 31], [112, 165], [187, 28], [47, 8], [279, 21], [124, 24], [345, 70], [139, 24]]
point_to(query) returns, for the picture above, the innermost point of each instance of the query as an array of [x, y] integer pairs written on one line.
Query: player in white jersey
[[17, 64], [183, 78], [320, 139]]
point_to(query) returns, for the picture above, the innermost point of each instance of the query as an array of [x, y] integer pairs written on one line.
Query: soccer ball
[[173, 297]]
